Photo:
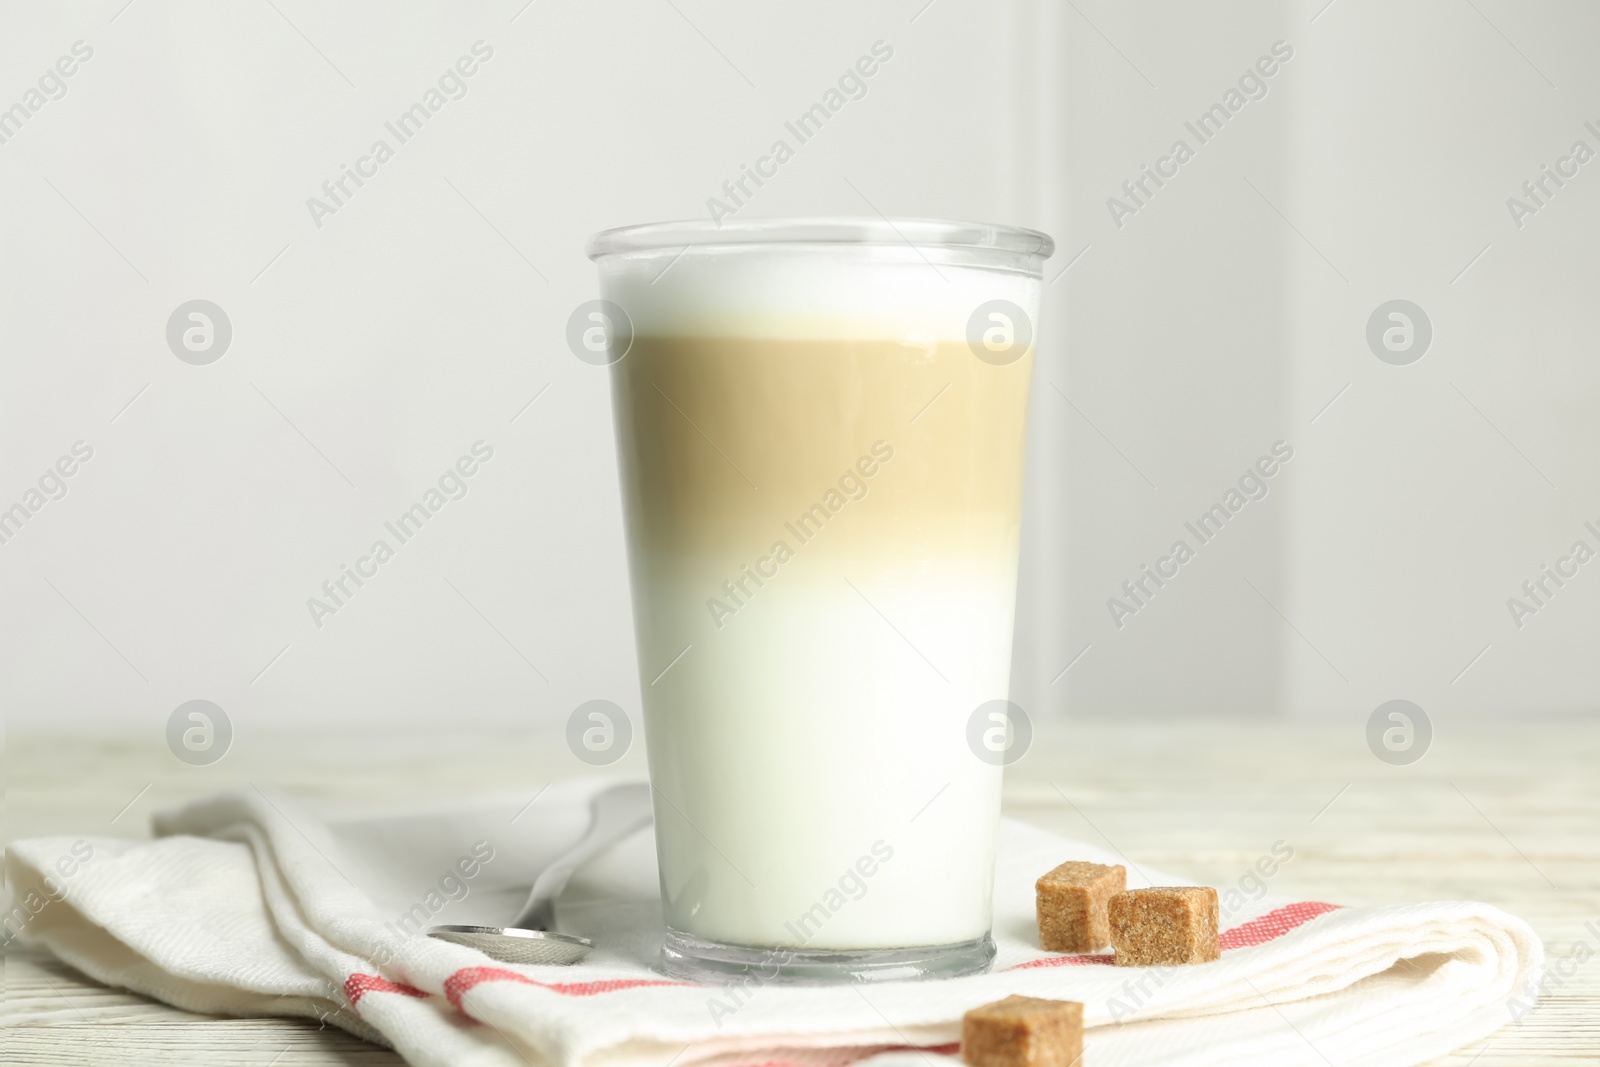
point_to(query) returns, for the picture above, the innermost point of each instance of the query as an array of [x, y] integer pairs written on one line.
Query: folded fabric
[[247, 904]]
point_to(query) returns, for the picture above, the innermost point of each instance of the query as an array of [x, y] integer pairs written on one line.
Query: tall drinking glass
[[820, 428]]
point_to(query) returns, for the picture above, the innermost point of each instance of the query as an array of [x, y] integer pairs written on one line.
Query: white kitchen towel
[[248, 904]]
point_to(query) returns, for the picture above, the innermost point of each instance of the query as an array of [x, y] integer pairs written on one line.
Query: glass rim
[[827, 230]]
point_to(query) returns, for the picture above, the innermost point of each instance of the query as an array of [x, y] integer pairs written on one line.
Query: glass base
[[699, 960]]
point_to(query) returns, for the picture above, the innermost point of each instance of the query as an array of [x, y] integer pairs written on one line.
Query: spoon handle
[[613, 814]]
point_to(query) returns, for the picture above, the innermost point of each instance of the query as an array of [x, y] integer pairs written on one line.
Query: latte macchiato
[[822, 489]]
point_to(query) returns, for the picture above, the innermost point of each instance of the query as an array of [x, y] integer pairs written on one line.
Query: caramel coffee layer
[[869, 447]]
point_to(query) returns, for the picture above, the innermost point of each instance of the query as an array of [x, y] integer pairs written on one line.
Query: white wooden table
[[1503, 811]]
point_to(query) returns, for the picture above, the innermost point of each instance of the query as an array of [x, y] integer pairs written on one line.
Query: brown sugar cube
[[1023, 1032], [1164, 926], [1071, 901]]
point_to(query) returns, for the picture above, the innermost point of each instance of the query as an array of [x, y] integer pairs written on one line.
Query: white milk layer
[[813, 751]]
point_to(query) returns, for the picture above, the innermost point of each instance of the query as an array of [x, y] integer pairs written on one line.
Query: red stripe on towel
[[1269, 927], [1274, 924], [589, 989], [457, 985], [359, 985], [1065, 961]]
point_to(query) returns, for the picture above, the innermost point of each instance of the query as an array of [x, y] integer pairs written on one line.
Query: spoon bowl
[[512, 945]]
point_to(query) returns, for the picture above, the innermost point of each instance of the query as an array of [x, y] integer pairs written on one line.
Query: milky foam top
[[809, 292], [817, 279]]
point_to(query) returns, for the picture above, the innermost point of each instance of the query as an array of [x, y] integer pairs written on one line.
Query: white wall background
[[369, 353], [1231, 310]]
